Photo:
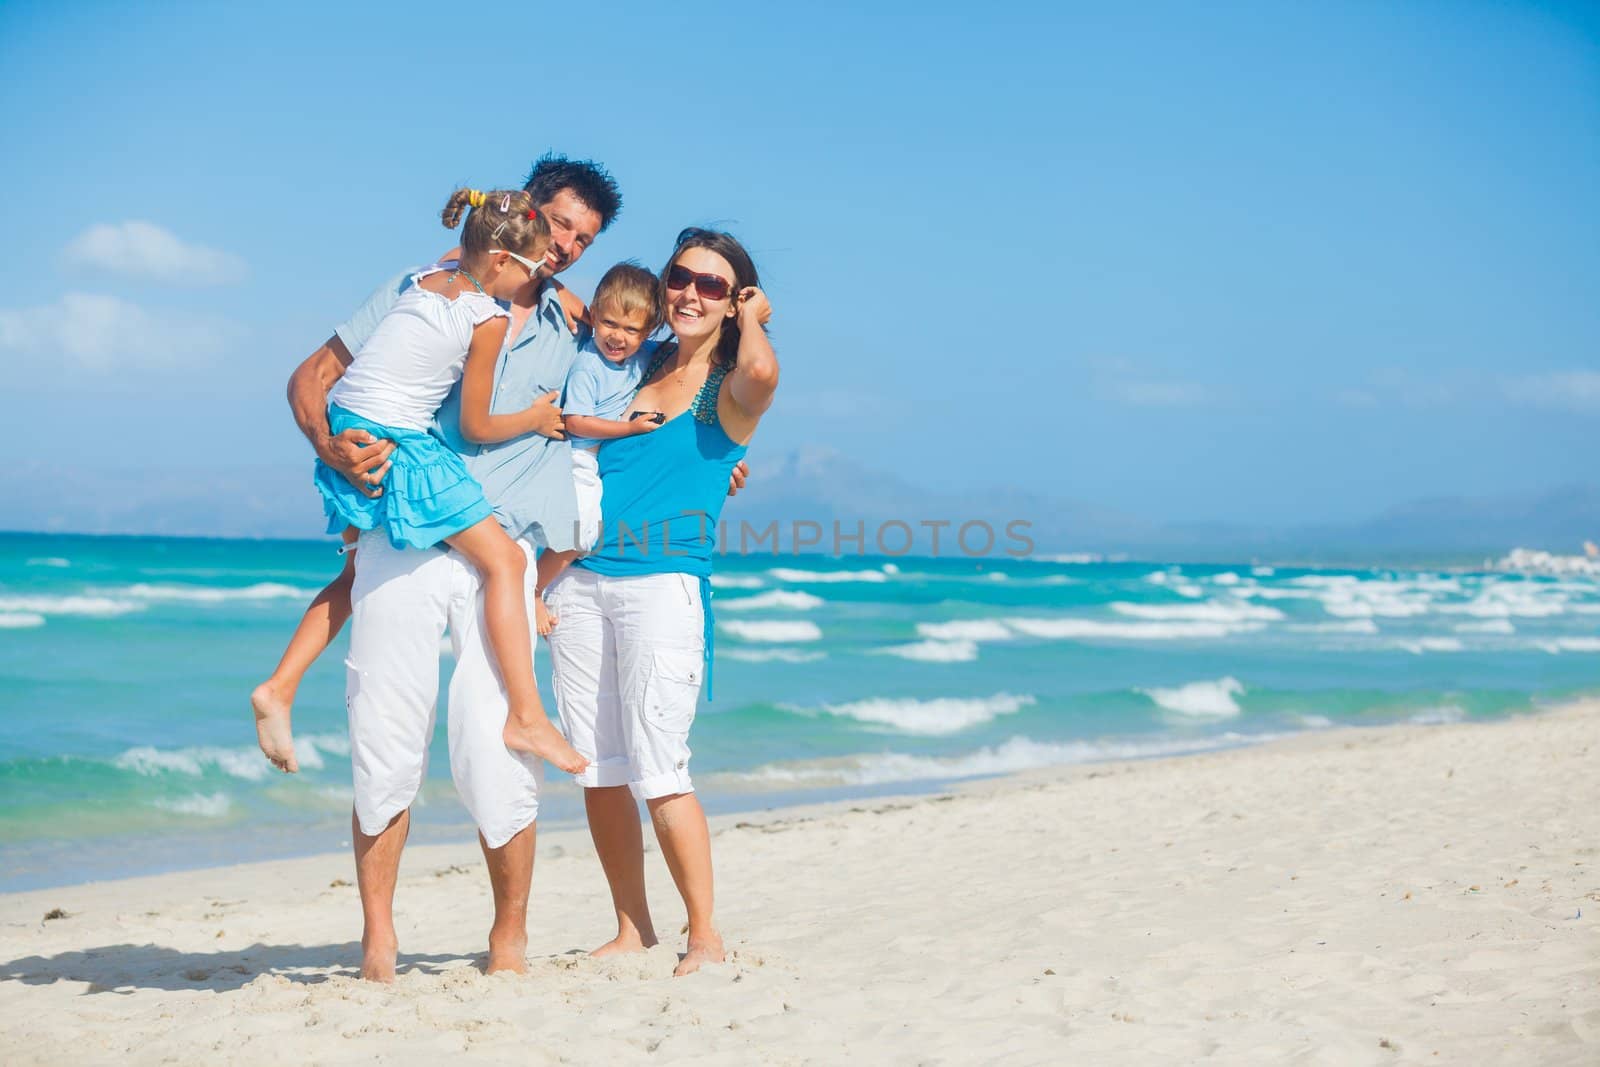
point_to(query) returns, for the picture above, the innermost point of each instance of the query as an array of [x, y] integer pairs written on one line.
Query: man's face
[[573, 228]]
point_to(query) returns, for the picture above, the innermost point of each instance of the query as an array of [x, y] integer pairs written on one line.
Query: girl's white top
[[413, 358]]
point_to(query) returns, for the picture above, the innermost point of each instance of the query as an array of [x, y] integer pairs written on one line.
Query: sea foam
[[794, 574], [1127, 631], [935, 651], [1211, 700], [771, 630], [210, 594], [930, 718], [20, 620], [92, 606], [965, 630], [771, 655], [792, 600], [1206, 611]]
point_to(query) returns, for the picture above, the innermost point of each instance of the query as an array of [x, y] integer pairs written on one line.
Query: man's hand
[[571, 306], [545, 417], [736, 477], [362, 458]]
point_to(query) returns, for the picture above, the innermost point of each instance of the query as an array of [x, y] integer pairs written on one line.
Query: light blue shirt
[[528, 479], [598, 387]]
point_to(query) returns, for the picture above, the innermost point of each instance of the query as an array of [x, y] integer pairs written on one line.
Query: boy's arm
[[478, 424], [607, 429]]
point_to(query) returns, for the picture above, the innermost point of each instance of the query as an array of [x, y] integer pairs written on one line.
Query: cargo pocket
[[673, 689]]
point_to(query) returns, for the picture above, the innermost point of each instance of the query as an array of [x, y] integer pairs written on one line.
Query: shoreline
[[1361, 895]]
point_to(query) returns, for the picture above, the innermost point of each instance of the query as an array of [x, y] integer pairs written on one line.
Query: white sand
[[1409, 895]]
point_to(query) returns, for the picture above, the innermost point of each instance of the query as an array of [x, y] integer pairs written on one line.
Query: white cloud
[[147, 252], [1577, 390], [102, 332]]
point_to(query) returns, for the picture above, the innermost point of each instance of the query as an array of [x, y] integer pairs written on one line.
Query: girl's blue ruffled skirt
[[427, 494]]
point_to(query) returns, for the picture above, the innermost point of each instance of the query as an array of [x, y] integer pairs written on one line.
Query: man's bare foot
[[623, 944], [702, 950], [272, 727], [543, 621], [378, 955], [539, 736], [508, 954]]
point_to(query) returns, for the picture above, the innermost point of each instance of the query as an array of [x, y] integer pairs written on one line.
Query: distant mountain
[[823, 487]]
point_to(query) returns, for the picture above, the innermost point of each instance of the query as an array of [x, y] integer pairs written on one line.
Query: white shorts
[[404, 601], [586, 483], [628, 655]]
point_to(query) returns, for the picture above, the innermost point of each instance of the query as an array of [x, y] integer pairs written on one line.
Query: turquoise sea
[[127, 746]]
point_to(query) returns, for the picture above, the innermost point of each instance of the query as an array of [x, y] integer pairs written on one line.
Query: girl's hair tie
[[533, 213], [475, 197]]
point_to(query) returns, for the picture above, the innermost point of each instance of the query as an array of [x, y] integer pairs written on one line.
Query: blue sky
[[1255, 262]]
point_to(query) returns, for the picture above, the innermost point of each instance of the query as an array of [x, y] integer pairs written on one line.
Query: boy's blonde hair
[[629, 287], [498, 219]]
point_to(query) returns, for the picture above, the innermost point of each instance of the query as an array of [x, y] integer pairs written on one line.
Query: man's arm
[[356, 454]]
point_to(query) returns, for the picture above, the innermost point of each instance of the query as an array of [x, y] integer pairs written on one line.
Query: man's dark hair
[[588, 180]]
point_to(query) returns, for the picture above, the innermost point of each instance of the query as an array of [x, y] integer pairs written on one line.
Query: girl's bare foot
[[272, 727], [536, 734], [702, 950], [622, 944], [543, 621]]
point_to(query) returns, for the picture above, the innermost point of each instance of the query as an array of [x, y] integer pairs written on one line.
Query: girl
[[447, 326]]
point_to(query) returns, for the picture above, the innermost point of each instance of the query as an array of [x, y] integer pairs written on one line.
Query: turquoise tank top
[[663, 493]]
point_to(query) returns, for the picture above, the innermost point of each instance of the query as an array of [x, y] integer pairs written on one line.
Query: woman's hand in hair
[[754, 307]]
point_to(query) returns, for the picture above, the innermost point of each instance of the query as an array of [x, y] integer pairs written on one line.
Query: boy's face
[[618, 335]]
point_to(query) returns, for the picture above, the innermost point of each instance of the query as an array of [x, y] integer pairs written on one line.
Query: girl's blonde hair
[[497, 219]]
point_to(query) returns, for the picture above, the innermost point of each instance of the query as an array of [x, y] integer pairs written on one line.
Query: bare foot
[[378, 956], [543, 621], [508, 954], [702, 950], [272, 727], [623, 944], [539, 736]]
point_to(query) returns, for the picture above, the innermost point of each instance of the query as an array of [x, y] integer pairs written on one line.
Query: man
[[404, 601]]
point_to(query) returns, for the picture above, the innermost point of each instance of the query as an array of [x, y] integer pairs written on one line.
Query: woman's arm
[[478, 425], [755, 378]]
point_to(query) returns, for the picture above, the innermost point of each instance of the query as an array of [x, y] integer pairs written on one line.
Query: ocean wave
[[794, 574], [50, 561], [205, 805], [1445, 713], [935, 651], [1509, 599], [1017, 754], [736, 581], [1313, 722], [209, 594], [930, 718], [1079, 558], [1431, 644], [1348, 626], [792, 600], [1090, 629], [772, 655], [965, 630], [1207, 611], [1493, 626], [91, 606], [1212, 700], [1571, 644], [771, 630], [248, 764], [20, 620], [1225, 578]]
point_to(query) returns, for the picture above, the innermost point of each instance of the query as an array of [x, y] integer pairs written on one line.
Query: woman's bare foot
[[543, 621], [507, 954], [702, 950], [536, 734], [272, 727], [378, 955], [622, 944]]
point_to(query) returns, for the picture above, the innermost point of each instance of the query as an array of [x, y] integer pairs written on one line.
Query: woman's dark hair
[[744, 274], [588, 180]]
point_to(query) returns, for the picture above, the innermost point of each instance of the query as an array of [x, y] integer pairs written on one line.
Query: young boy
[[626, 309]]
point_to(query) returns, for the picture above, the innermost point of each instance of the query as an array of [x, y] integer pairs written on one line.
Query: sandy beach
[[1416, 894]]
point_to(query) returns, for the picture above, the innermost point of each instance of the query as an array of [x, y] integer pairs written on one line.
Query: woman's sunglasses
[[710, 286]]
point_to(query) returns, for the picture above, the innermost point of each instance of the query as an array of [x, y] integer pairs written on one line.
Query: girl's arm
[[477, 390], [606, 429], [754, 378]]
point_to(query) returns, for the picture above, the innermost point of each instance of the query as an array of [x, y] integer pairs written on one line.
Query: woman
[[632, 639]]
